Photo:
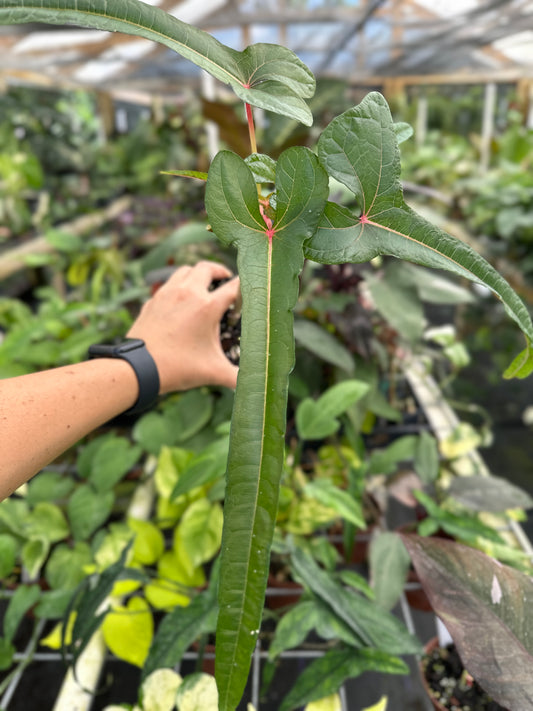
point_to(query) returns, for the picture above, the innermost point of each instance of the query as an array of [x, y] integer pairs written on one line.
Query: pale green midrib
[[40, 9], [261, 453]]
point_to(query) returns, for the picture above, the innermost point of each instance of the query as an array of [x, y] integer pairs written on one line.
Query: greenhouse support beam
[[78, 690], [421, 120], [511, 76], [487, 130], [443, 422]]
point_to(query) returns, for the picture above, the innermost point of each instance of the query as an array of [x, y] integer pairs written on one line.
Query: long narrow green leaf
[[326, 675], [359, 148], [264, 75], [270, 258], [372, 625], [87, 602]]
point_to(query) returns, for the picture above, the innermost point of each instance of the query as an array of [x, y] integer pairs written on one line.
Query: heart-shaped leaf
[[263, 75], [178, 630], [87, 510], [197, 693], [270, 258], [486, 607], [343, 503], [128, 631], [359, 149], [158, 692], [316, 419]]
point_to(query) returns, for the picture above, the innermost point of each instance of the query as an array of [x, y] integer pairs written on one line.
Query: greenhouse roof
[[358, 40]]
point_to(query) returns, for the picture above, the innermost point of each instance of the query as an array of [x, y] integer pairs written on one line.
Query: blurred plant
[[499, 205], [21, 177]]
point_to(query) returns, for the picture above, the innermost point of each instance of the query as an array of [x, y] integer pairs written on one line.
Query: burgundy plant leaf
[[487, 608]]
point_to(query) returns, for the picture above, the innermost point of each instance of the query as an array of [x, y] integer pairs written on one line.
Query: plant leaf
[[197, 693], [270, 259], [318, 419], [7, 652], [359, 148], [112, 462], [24, 597], [466, 527], [370, 623], [342, 502], [128, 630], [399, 304], [388, 568], [263, 167], [87, 510], [158, 692], [493, 632], [326, 675], [197, 536], [88, 604], [427, 457], [64, 569], [205, 468], [380, 706], [178, 630], [8, 553], [294, 626], [148, 543], [323, 344], [199, 175], [264, 75], [522, 365], [481, 493], [33, 555]]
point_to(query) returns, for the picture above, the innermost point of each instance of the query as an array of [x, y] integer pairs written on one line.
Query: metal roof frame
[[354, 39]]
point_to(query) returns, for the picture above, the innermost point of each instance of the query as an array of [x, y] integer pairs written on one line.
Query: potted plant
[[448, 683], [276, 214]]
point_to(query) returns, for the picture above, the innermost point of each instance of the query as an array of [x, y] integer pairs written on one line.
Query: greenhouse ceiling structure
[[362, 41]]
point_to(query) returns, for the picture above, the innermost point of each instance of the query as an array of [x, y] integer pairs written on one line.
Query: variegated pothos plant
[[276, 214]]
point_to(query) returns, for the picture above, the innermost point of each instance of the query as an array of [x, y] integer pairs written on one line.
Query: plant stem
[[251, 127], [26, 659]]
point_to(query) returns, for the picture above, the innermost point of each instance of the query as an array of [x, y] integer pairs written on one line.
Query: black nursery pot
[[447, 683]]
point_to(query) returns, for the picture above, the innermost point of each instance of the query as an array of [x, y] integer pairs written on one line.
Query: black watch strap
[[134, 351]]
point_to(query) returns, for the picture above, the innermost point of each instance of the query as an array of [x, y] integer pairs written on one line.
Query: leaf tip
[[522, 365]]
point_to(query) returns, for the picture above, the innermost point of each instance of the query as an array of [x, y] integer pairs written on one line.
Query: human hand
[[180, 325]]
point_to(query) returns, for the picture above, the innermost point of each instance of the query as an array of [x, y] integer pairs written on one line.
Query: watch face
[[99, 350], [130, 344]]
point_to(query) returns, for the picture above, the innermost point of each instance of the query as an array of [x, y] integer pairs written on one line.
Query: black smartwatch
[[134, 351]]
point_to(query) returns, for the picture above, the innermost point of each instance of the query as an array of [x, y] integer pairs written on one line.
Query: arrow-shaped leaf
[[486, 607], [270, 258], [264, 75], [359, 148]]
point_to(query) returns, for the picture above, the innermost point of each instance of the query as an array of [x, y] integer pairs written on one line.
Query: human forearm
[[43, 414]]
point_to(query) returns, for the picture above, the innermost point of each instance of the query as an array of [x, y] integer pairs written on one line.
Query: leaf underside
[[486, 607], [269, 261], [263, 75]]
